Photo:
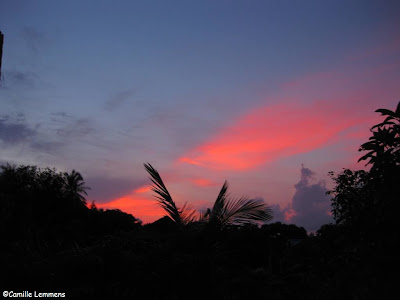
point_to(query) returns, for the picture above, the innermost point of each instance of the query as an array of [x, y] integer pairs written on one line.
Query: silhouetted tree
[[164, 225], [75, 186], [286, 231], [112, 221], [369, 201], [33, 204], [354, 198], [384, 144]]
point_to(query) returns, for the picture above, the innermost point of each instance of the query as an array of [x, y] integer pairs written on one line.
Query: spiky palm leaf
[[75, 186], [217, 212], [187, 214], [237, 211], [204, 216], [180, 216]]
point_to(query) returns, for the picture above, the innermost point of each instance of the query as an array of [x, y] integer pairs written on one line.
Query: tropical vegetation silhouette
[[225, 211], [181, 216], [75, 186], [52, 240]]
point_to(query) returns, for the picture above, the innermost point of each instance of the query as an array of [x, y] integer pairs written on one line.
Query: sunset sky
[[269, 95]]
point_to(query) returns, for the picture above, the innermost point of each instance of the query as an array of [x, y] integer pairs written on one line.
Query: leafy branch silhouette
[[226, 210]]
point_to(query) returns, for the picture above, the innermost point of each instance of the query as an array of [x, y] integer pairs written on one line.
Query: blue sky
[[246, 91]]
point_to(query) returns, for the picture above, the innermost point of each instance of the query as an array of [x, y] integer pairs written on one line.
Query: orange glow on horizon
[[143, 208]]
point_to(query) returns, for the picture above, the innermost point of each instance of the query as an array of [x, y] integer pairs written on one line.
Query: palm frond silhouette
[[181, 216], [237, 211], [75, 186], [226, 210]]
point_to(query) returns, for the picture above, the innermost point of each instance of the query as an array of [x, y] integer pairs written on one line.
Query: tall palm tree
[[75, 186], [181, 216], [226, 210]]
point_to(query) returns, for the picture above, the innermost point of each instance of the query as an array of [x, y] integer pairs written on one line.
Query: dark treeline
[[52, 241]]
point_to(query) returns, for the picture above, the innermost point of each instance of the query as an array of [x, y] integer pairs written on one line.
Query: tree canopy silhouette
[[368, 201], [384, 144], [75, 186], [51, 203]]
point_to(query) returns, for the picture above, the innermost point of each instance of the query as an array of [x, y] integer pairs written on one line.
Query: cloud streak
[[77, 129], [13, 133], [33, 38], [271, 132], [118, 99], [20, 79]]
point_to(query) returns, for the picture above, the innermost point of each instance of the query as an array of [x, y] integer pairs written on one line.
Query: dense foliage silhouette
[[368, 201], [53, 242]]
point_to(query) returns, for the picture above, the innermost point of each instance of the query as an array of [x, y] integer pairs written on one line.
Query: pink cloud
[[272, 132], [289, 214], [143, 189], [391, 46], [202, 182], [312, 78]]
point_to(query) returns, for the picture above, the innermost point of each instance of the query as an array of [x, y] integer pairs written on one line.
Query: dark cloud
[[106, 189], [310, 202], [60, 118], [20, 79], [21, 116], [118, 99], [78, 128], [64, 131], [61, 114], [14, 132], [310, 206], [46, 146], [278, 213], [33, 38]]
